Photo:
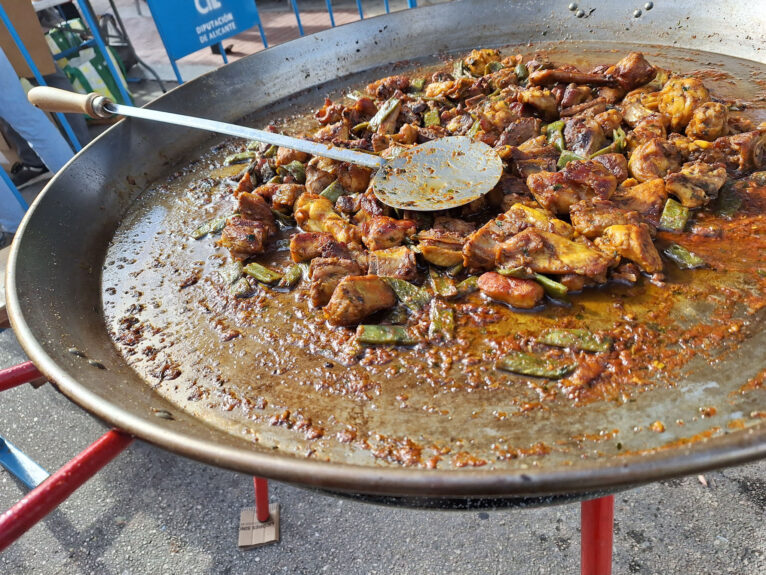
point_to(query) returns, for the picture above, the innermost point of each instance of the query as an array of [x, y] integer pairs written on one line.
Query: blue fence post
[[329, 11], [412, 3], [14, 190], [359, 7], [297, 16], [93, 25], [385, 5], [39, 77]]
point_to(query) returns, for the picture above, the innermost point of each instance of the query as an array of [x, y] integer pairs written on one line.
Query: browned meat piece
[[654, 159], [587, 109], [616, 164], [531, 159], [408, 134], [245, 184], [634, 243], [432, 133], [329, 113], [550, 77], [517, 292], [520, 217], [741, 152], [441, 248], [651, 127], [353, 178], [453, 89], [679, 98], [648, 199], [384, 88], [547, 253], [285, 196], [460, 124], [254, 207], [609, 120], [339, 131], [627, 272], [480, 247], [369, 206], [381, 232], [393, 263], [357, 297], [320, 173], [584, 136], [305, 246], [574, 94], [556, 191], [325, 274], [244, 238], [632, 71], [738, 124], [349, 204], [519, 131], [541, 100], [696, 184], [632, 109], [709, 121], [315, 214], [362, 110], [574, 283], [478, 60], [455, 225], [591, 218], [610, 94], [286, 155]]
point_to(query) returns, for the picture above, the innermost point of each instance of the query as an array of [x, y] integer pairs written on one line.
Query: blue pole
[[385, 4], [359, 7], [93, 25], [329, 11], [223, 52], [176, 70], [412, 3], [14, 190], [297, 16], [39, 77]]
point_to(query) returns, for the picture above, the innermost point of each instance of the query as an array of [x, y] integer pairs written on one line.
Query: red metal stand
[[18, 374], [48, 495], [597, 522], [261, 499]]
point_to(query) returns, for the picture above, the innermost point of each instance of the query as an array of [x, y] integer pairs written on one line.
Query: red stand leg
[[18, 374], [49, 494], [261, 499], [597, 521]]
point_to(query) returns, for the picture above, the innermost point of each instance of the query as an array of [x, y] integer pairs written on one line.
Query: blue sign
[[189, 25]]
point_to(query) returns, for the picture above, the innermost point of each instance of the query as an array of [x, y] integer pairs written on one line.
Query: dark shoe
[[5, 239], [216, 49], [23, 173]]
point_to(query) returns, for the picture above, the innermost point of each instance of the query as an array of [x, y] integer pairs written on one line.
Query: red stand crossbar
[[261, 499], [597, 522], [18, 374]]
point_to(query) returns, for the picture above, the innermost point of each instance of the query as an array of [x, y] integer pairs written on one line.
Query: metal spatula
[[437, 175]]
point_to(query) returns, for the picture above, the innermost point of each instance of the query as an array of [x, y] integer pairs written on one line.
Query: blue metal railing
[[296, 11]]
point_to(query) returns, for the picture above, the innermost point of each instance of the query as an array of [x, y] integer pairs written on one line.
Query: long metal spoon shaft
[[56, 100], [313, 148]]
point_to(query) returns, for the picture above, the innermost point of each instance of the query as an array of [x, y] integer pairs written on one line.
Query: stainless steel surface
[[53, 280], [438, 175], [307, 146]]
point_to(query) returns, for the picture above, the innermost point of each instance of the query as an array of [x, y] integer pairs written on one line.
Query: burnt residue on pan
[[268, 368]]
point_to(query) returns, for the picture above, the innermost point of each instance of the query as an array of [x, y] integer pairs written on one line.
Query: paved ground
[[150, 512]]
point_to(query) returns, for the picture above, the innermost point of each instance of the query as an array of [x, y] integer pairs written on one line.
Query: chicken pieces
[[357, 297], [557, 191], [696, 184], [633, 242], [679, 98], [517, 292]]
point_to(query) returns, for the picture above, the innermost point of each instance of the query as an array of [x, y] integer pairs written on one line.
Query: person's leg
[[26, 154], [11, 211], [29, 122]]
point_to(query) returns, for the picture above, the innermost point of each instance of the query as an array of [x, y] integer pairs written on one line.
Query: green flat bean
[[521, 71], [566, 157], [535, 365], [683, 258], [231, 272], [388, 108], [442, 285], [210, 227], [262, 273], [555, 134], [431, 118], [467, 286], [442, 321], [418, 84], [575, 339], [674, 216], [553, 288], [296, 169], [240, 158], [384, 334], [411, 296], [729, 201], [292, 276], [333, 191], [241, 288]]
